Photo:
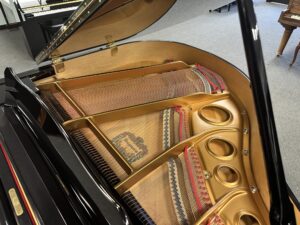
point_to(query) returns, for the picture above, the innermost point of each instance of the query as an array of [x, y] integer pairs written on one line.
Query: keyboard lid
[[103, 22]]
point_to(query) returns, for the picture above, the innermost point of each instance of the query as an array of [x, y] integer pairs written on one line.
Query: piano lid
[[99, 22]]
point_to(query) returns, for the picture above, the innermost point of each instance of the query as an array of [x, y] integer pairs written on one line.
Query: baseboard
[[10, 26]]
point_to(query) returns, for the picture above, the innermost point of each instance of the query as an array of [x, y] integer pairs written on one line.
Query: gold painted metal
[[111, 45], [162, 158], [209, 160], [249, 220], [85, 121], [231, 207], [82, 81], [223, 122], [224, 155], [238, 134], [15, 202], [70, 100], [110, 147], [240, 131], [191, 101], [212, 164], [230, 178], [200, 124], [229, 201], [54, 87], [88, 122], [57, 63], [221, 204], [51, 86], [248, 166], [134, 111]]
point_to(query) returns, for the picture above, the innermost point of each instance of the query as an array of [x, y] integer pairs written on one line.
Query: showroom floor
[[221, 35]]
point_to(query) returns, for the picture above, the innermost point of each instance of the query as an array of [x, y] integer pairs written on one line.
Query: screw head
[[63, 28], [246, 152], [207, 175], [253, 189]]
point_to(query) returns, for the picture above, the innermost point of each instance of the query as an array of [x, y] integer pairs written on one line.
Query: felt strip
[[177, 198], [197, 179], [166, 129]]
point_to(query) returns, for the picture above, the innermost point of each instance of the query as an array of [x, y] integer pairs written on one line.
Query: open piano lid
[[99, 22]]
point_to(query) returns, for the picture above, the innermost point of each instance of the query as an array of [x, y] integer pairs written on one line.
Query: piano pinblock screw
[[253, 189], [246, 152], [207, 175]]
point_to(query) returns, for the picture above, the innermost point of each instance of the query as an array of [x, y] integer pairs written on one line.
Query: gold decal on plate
[[15, 202]]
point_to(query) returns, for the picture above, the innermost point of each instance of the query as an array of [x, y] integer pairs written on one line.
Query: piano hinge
[[111, 45], [58, 63]]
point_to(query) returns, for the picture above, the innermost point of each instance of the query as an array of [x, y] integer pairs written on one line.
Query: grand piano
[[144, 132]]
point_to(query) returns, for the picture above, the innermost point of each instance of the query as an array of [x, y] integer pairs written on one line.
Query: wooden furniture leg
[[286, 36], [295, 54]]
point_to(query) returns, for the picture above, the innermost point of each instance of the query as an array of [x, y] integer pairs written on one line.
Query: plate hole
[[214, 115], [248, 220], [220, 148], [227, 175]]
